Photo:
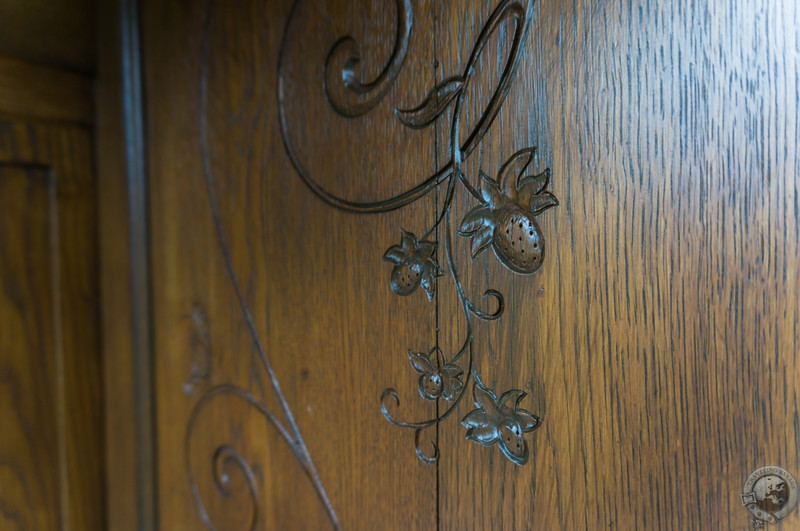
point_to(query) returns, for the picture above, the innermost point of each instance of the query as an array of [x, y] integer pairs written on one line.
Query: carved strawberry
[[506, 218], [500, 421], [414, 265], [437, 379]]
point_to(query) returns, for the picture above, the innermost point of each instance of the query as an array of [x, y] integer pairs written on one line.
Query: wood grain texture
[[73, 399], [53, 32], [37, 92], [29, 352], [659, 340], [311, 277]]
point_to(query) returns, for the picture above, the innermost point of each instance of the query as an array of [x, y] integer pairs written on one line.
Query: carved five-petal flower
[[435, 381], [414, 265], [505, 219], [500, 421]]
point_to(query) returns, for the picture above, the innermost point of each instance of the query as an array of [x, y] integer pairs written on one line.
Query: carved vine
[[504, 217]]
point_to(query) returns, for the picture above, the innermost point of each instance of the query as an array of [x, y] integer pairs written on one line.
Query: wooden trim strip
[[134, 122], [130, 432], [44, 93]]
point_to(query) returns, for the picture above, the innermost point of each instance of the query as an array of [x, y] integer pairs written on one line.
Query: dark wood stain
[[660, 334], [658, 340], [52, 444]]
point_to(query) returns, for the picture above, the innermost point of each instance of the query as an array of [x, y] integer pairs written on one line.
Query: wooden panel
[[54, 32], [65, 152], [264, 293], [659, 339], [31, 91], [30, 354]]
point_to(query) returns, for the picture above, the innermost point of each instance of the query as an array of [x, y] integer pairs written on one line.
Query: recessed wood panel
[[56, 286], [30, 352]]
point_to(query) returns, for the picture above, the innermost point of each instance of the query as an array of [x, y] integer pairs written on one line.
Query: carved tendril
[[503, 216]]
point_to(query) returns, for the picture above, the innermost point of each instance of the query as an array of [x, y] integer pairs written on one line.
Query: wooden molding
[[43, 93]]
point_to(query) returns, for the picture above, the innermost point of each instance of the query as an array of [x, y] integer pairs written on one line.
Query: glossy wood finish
[[658, 340], [130, 494], [52, 400], [312, 277]]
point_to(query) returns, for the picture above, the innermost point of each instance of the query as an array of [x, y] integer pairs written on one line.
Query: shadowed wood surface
[[29, 445], [53, 32], [50, 339], [658, 340]]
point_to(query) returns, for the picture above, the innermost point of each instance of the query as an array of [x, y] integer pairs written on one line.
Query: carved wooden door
[[507, 264]]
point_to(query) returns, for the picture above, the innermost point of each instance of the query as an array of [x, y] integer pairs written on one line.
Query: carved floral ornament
[[503, 216]]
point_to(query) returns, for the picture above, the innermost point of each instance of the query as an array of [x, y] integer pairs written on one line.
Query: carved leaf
[[425, 249], [543, 201], [408, 242], [490, 191], [484, 399], [510, 399], [452, 388], [485, 435], [452, 383], [428, 284], [476, 419], [527, 420], [474, 220], [481, 240], [481, 427], [534, 184], [394, 254], [435, 103], [420, 362], [513, 168]]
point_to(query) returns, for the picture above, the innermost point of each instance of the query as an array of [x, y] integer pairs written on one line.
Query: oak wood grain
[[659, 340], [62, 285], [30, 446], [312, 278]]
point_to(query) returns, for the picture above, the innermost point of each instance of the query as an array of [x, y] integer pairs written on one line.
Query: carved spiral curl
[[225, 456], [346, 93]]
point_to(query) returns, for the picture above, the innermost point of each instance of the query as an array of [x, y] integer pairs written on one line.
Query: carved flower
[[414, 265], [435, 381], [505, 219], [500, 421]]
